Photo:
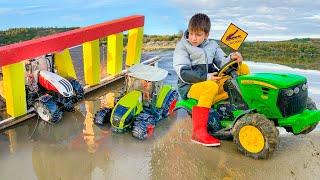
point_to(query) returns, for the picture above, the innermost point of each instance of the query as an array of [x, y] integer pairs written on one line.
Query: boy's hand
[[236, 56], [214, 77]]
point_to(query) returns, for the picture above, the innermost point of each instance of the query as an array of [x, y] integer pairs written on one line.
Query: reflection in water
[[75, 152], [78, 149], [12, 137], [10, 140], [88, 133], [55, 162]]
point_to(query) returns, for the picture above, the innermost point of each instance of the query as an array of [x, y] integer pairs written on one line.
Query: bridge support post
[[115, 53], [135, 37], [64, 64], [91, 62], [14, 89]]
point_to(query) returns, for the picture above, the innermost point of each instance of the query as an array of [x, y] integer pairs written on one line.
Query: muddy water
[[78, 149]]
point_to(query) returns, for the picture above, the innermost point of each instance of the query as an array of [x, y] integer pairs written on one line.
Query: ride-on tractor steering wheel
[[228, 68]]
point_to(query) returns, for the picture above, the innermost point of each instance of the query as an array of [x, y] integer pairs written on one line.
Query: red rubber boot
[[200, 134]]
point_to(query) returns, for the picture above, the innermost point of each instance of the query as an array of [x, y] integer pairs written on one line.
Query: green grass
[[301, 53], [14, 35]]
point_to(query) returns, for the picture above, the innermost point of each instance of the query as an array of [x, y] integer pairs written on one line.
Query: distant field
[[301, 53], [14, 35]]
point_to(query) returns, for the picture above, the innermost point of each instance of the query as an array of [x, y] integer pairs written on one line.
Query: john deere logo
[[234, 37]]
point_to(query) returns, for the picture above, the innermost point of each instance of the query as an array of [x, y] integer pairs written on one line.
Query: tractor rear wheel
[[169, 103], [256, 136], [311, 105]]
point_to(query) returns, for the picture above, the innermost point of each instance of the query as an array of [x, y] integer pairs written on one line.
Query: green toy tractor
[[257, 104], [144, 102]]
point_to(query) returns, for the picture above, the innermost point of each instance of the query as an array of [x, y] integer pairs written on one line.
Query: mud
[[175, 157]]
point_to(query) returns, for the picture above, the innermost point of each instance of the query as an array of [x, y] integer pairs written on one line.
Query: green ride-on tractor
[[257, 104], [143, 103]]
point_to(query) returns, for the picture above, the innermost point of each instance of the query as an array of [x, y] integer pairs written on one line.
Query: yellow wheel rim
[[251, 139]]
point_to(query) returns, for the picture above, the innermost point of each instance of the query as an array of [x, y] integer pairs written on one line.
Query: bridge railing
[[12, 56]]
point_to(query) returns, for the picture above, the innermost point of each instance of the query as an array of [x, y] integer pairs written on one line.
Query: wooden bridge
[[12, 59]]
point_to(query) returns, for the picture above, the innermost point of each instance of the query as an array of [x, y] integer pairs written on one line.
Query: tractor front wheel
[[256, 136], [48, 111], [311, 105], [102, 116]]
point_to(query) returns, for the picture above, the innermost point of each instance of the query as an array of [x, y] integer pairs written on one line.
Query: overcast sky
[[263, 20]]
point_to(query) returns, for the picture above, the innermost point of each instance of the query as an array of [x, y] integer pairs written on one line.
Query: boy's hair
[[199, 22]]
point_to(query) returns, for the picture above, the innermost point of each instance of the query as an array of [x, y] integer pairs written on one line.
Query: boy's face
[[197, 37]]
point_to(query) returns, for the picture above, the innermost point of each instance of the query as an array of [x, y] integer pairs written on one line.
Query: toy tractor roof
[[147, 72]]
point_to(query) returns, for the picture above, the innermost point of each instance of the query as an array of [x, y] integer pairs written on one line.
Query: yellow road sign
[[234, 37]]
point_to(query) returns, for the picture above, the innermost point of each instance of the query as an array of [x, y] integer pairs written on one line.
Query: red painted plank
[[33, 48]]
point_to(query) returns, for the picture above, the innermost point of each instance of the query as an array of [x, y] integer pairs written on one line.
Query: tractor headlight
[[304, 87], [116, 121], [296, 90], [288, 92]]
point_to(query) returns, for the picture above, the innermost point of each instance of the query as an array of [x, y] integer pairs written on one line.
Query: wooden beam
[[33, 48], [14, 89], [135, 39], [115, 53], [64, 65], [91, 62]]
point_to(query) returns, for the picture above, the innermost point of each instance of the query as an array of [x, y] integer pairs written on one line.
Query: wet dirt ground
[[78, 149], [176, 157]]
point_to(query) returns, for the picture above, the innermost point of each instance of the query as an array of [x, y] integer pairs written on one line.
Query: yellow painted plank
[[64, 64], [115, 53], [1, 89], [14, 89], [91, 62], [135, 38]]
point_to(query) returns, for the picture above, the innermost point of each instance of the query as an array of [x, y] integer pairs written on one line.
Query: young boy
[[195, 59]]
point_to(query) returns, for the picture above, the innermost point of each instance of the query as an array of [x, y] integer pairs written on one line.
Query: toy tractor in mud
[[48, 93], [257, 104], [144, 102]]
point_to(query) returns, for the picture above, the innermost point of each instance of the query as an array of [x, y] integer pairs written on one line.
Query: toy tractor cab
[[145, 101], [48, 93], [256, 104]]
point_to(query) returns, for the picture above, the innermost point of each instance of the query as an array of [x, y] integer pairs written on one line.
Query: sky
[[262, 20]]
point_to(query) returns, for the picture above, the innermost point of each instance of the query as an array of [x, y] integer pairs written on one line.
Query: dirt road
[[175, 157]]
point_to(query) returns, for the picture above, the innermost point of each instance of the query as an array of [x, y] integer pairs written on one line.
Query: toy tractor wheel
[[48, 111], [102, 116], [143, 126], [311, 106], [169, 103], [77, 89], [255, 136]]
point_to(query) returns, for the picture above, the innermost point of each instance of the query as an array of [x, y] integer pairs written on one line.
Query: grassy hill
[[14, 35]]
